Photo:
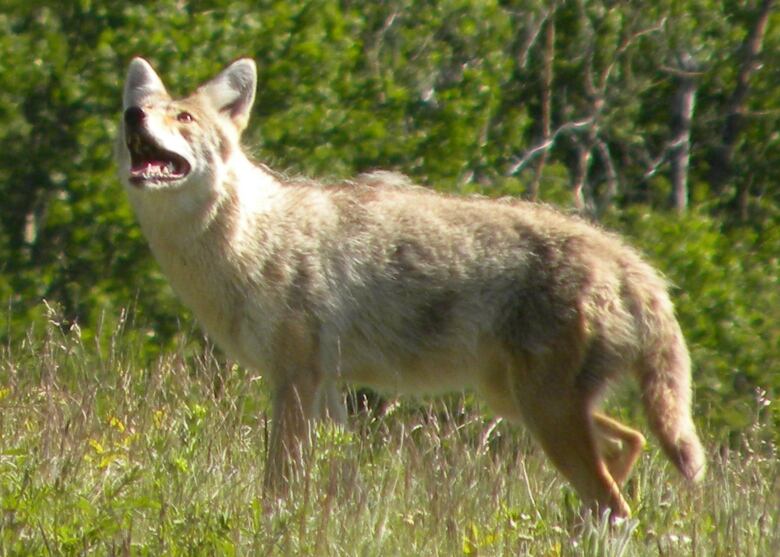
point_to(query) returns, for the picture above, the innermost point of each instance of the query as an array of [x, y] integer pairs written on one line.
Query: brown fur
[[381, 283]]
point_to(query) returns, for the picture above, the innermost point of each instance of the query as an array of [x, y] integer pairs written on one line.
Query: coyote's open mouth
[[150, 162]]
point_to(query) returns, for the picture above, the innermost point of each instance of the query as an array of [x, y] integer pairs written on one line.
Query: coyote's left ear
[[232, 92]]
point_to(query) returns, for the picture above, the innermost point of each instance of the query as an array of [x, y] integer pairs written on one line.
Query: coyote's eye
[[185, 117]]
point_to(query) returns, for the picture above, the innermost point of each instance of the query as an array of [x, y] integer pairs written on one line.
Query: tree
[[622, 110], [721, 159]]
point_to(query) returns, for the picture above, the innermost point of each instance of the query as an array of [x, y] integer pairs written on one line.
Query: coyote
[[381, 283]]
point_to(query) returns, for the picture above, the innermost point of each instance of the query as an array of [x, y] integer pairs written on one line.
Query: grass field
[[101, 455]]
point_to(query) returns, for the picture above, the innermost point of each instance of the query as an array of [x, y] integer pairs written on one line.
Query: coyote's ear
[[233, 91], [142, 82]]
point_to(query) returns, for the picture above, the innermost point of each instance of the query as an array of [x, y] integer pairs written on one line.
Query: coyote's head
[[168, 144]]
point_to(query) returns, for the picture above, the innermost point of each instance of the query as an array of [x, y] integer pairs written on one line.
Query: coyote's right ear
[[142, 82]]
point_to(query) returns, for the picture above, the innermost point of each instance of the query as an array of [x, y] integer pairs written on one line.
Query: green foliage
[[450, 92], [101, 454]]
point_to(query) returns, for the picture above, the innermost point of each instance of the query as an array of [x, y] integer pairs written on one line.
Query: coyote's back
[[385, 284]]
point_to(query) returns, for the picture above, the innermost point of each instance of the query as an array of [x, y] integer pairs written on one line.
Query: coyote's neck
[[236, 192], [205, 248], [209, 254]]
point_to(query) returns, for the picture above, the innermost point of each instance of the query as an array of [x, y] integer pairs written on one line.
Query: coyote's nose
[[134, 116]]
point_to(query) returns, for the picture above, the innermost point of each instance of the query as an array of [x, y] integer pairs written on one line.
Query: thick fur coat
[[381, 283]]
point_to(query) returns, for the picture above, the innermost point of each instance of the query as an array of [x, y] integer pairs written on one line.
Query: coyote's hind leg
[[559, 413], [568, 438], [619, 446]]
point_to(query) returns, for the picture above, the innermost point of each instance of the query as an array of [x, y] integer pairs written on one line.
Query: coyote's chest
[[213, 284]]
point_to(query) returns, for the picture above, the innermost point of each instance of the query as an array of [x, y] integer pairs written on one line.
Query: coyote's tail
[[665, 378]]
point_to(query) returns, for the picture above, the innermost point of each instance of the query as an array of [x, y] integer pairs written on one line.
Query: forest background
[[656, 119]]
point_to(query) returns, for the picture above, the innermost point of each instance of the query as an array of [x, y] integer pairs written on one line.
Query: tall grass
[[103, 455]]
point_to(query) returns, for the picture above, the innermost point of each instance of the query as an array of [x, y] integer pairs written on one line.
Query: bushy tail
[[665, 377]]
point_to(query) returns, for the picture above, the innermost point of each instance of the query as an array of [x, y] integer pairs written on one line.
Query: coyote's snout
[[148, 161], [381, 283]]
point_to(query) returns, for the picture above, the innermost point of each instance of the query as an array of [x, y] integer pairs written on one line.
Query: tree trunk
[[546, 101], [722, 157], [682, 121], [579, 182]]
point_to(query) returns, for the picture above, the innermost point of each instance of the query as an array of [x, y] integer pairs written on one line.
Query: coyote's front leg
[[297, 384], [291, 420]]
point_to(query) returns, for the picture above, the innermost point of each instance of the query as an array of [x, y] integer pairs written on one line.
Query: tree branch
[[519, 163]]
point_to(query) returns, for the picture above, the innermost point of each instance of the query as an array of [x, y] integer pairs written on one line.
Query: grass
[[100, 455]]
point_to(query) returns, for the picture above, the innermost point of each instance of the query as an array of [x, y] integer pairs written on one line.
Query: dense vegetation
[[104, 454], [658, 119]]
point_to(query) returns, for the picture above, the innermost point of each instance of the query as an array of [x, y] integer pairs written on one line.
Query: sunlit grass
[[102, 455]]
